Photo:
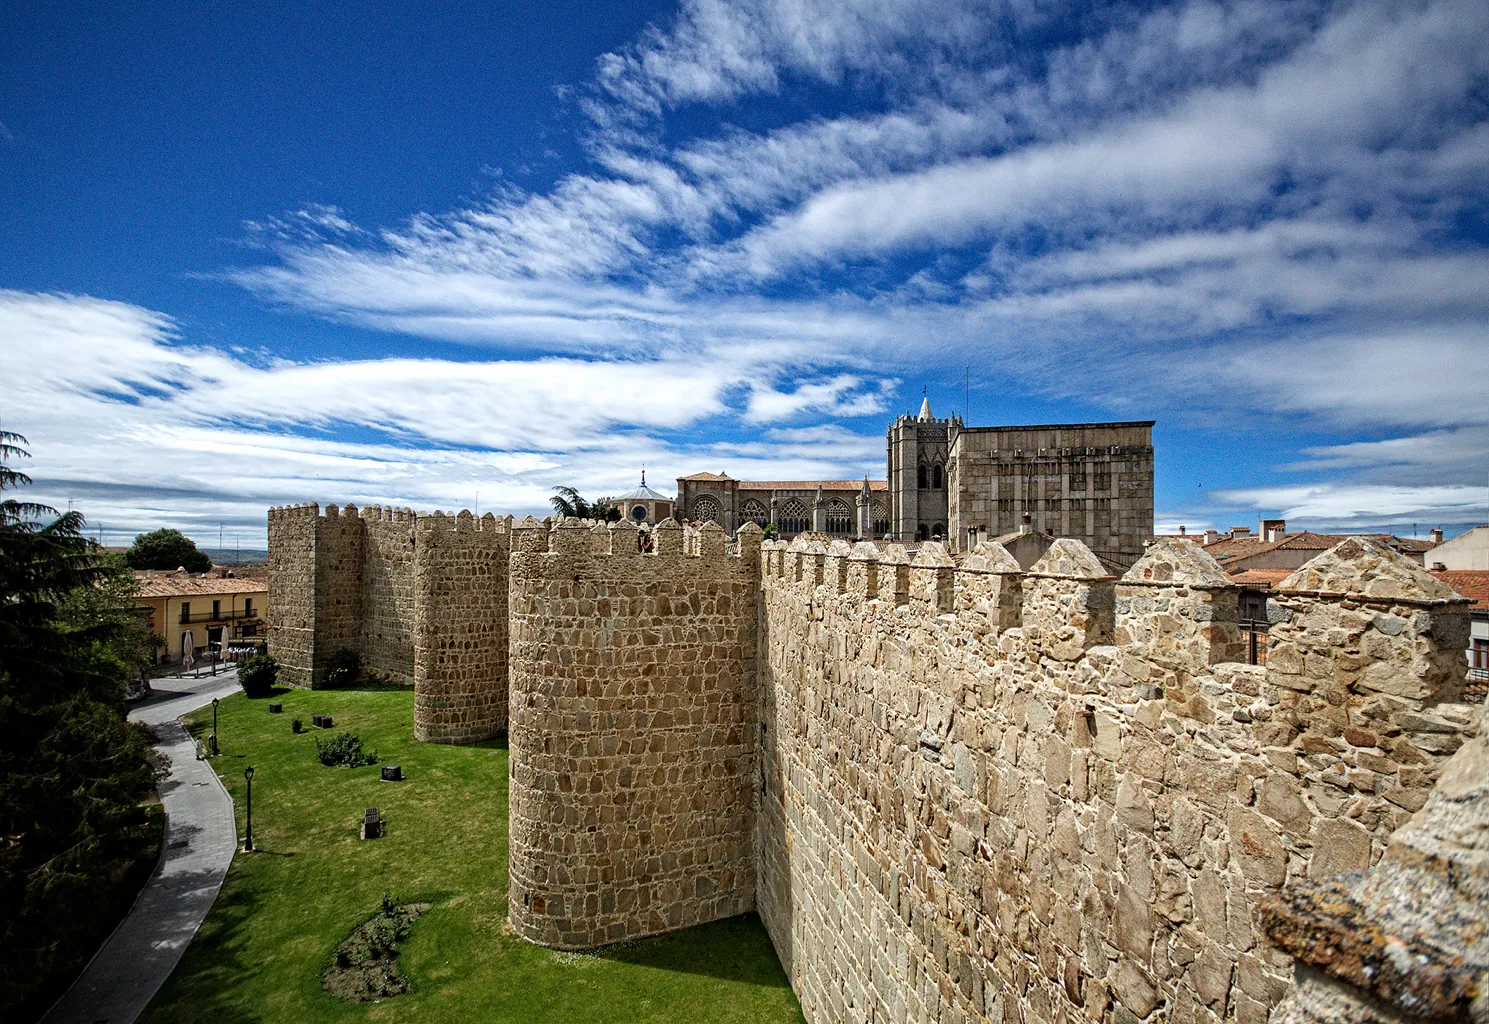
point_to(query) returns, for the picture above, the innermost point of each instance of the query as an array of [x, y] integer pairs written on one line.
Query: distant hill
[[236, 556]]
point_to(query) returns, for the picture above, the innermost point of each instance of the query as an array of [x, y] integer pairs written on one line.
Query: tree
[[567, 502], [72, 770], [167, 549]]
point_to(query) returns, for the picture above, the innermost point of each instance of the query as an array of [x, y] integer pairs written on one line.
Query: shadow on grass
[[734, 949], [208, 975]]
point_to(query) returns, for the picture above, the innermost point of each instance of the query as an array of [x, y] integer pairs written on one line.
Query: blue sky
[[256, 254]]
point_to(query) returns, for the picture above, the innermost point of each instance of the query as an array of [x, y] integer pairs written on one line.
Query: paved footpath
[[200, 839]]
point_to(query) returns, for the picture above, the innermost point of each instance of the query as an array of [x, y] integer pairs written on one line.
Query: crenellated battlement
[[952, 788], [1072, 776], [464, 522]]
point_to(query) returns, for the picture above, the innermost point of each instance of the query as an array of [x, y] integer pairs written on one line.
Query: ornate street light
[[248, 835], [214, 726]]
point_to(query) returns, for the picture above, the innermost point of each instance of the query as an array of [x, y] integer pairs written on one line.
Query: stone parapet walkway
[[201, 837]]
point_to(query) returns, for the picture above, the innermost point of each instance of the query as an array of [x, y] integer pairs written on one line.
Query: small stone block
[[275, 709], [321, 721], [392, 773]]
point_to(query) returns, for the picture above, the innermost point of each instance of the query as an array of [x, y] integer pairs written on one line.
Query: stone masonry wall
[[339, 551], [291, 604], [386, 639], [633, 731], [460, 628], [1053, 796]]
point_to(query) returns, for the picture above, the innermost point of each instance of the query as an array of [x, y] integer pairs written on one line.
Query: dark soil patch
[[364, 967]]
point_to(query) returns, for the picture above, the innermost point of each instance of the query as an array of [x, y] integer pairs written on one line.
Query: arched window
[[881, 519], [705, 509], [936, 477], [839, 518], [791, 517], [755, 512], [939, 530], [923, 532], [920, 477]]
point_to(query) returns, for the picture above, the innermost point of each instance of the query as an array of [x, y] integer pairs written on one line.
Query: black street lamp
[[248, 835], [214, 726]]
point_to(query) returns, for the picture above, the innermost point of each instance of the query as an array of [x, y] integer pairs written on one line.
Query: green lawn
[[282, 910]]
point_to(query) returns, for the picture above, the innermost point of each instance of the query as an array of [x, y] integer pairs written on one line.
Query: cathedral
[[961, 485]]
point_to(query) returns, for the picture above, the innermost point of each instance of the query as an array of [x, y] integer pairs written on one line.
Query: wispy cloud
[[1200, 210], [150, 430]]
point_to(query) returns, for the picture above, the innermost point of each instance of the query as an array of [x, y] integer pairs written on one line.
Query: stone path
[[201, 837]]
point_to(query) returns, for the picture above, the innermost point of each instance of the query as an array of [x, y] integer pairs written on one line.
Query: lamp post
[[248, 834], [214, 726]]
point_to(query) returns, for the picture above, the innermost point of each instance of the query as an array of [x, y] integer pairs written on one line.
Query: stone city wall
[[386, 640], [460, 628], [633, 735], [421, 598], [1408, 942], [340, 550], [1055, 795], [291, 604]]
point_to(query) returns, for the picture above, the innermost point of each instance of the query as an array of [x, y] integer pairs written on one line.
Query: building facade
[[961, 485], [643, 505], [201, 616], [849, 509], [964, 485]]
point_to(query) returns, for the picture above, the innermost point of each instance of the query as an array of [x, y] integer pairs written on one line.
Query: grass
[[283, 910]]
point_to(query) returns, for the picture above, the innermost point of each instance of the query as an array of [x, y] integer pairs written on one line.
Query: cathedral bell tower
[[916, 453]]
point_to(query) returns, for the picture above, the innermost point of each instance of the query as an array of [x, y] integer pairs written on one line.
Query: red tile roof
[[1471, 583], [158, 583], [707, 476], [1261, 578]]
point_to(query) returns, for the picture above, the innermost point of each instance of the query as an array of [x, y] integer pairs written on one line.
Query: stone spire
[[925, 410]]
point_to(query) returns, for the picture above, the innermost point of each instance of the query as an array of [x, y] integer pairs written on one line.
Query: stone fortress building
[[953, 789], [962, 485]]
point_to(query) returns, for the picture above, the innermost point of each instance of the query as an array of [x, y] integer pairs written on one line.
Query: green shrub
[[344, 750], [257, 675], [342, 668]]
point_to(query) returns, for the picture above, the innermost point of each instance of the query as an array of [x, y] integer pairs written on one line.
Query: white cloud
[[1209, 212], [140, 430], [841, 396], [1346, 506]]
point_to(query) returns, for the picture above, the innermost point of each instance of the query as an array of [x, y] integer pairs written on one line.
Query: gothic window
[[839, 518], [923, 532], [705, 509], [939, 530], [1077, 504], [791, 517], [881, 519], [755, 512], [1005, 504], [936, 477], [921, 477]]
